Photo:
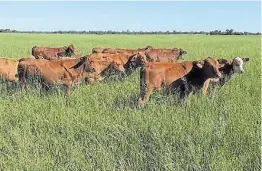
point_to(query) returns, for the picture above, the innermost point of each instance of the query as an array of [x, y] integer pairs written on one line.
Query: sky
[[133, 16]]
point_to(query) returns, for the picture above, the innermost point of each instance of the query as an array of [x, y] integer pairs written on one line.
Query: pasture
[[100, 127]]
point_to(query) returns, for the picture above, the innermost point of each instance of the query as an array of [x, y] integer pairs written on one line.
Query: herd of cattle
[[159, 68]]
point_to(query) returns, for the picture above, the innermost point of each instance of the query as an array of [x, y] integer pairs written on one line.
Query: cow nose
[[122, 69], [241, 72], [218, 74]]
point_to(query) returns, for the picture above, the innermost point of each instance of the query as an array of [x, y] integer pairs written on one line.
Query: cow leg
[[205, 87], [44, 87], [93, 77], [186, 92], [144, 96], [23, 84], [183, 92], [21, 79], [11, 86], [99, 78], [67, 89], [91, 80], [187, 89], [90, 77]]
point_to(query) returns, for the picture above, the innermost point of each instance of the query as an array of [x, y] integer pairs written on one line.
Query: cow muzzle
[[218, 75], [122, 69]]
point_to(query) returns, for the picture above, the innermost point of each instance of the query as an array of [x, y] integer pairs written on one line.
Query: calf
[[98, 68], [143, 49], [118, 50], [128, 61], [230, 67], [98, 50], [49, 53], [154, 75], [164, 55], [65, 72]]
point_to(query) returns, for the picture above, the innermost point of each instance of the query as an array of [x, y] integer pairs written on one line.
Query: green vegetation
[[100, 127]]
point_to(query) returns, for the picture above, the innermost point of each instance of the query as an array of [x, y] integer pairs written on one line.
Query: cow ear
[[200, 64], [221, 65], [222, 61], [245, 59], [149, 47], [133, 57], [83, 59], [142, 56]]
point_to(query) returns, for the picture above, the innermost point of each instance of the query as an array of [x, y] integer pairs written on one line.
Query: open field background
[[101, 128]]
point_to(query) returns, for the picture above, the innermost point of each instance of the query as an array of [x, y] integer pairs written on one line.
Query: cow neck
[[148, 57], [104, 66], [227, 69], [130, 64], [79, 69], [125, 59], [197, 73]]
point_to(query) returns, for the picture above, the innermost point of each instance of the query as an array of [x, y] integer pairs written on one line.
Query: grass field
[[101, 128]]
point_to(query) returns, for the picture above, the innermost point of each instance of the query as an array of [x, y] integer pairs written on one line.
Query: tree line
[[215, 32]]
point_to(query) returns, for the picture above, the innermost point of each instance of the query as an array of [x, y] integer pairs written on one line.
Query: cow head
[[136, 60], [80, 66], [222, 61], [148, 48], [90, 65], [118, 66], [236, 63], [70, 50], [181, 53], [210, 67], [139, 58]]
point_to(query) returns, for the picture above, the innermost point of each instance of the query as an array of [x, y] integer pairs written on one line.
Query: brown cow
[[65, 58], [118, 50], [155, 74], [97, 68], [98, 50], [99, 56], [65, 72], [230, 67], [143, 49], [8, 69], [164, 55], [49, 53], [106, 50], [129, 62]]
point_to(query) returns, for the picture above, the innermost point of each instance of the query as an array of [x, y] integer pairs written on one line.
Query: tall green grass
[[100, 128]]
